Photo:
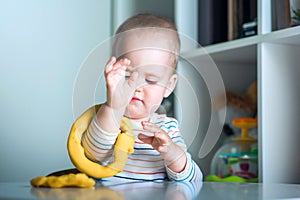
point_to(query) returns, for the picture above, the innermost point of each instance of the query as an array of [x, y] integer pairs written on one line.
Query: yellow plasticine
[[69, 180], [100, 193], [39, 181], [124, 145]]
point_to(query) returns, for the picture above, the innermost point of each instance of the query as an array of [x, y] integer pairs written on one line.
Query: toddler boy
[[138, 76]]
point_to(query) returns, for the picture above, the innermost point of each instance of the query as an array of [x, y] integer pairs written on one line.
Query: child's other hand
[[174, 156], [119, 89], [160, 140]]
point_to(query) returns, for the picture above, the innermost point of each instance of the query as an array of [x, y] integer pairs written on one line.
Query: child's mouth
[[135, 99]]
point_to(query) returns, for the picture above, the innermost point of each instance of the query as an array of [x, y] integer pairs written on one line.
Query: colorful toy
[[124, 145], [239, 105], [238, 158]]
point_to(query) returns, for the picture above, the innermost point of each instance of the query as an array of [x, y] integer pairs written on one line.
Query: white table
[[155, 191]]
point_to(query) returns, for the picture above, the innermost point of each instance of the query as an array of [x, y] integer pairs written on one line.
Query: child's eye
[[150, 81]]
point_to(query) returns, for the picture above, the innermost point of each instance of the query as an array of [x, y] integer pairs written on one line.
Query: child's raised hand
[[119, 89], [173, 155]]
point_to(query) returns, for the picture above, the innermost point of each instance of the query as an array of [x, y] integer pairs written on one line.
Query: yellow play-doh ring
[[123, 146]]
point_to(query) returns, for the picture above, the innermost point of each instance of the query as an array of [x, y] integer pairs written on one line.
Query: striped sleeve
[[191, 172], [98, 144]]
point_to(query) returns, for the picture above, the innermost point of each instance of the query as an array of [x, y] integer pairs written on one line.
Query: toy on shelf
[[237, 106], [237, 161]]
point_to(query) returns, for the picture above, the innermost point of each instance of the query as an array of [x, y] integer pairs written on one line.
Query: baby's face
[[156, 80]]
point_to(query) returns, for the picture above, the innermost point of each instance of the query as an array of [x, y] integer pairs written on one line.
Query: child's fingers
[[154, 142], [146, 139], [115, 71], [120, 67], [121, 71], [148, 126], [159, 135], [125, 61], [109, 64], [163, 138], [113, 65], [158, 132], [122, 63]]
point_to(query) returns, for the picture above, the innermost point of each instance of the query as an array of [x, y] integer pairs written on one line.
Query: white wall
[[42, 45]]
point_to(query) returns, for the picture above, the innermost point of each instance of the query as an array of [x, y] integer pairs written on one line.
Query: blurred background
[[43, 44]]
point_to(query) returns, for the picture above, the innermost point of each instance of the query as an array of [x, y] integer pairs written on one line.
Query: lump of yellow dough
[[69, 180]]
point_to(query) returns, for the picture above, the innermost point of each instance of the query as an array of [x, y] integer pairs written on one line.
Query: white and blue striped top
[[145, 163]]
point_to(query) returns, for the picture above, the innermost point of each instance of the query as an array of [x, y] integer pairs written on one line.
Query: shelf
[[239, 55], [289, 36], [242, 50], [223, 47], [272, 58]]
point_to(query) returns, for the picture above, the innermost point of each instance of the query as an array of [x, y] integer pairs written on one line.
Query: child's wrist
[[178, 163], [108, 118], [174, 154], [119, 111]]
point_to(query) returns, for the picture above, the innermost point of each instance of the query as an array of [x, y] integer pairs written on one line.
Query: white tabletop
[[156, 191]]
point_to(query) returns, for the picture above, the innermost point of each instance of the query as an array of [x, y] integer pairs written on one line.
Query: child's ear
[[171, 85]]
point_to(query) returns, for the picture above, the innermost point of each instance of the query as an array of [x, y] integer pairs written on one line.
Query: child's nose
[[139, 87]]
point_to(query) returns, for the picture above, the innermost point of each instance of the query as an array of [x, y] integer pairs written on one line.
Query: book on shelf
[[220, 21], [281, 14], [212, 21], [249, 28], [242, 15], [285, 13]]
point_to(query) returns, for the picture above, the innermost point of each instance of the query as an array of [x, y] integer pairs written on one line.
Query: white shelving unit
[[273, 57], [279, 70]]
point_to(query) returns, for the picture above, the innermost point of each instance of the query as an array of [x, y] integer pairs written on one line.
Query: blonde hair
[[148, 20]]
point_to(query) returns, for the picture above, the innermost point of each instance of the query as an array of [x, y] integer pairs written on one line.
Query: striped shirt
[[145, 163]]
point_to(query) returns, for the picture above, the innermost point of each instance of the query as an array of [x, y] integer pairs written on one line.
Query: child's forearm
[[109, 119], [102, 132], [97, 143]]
